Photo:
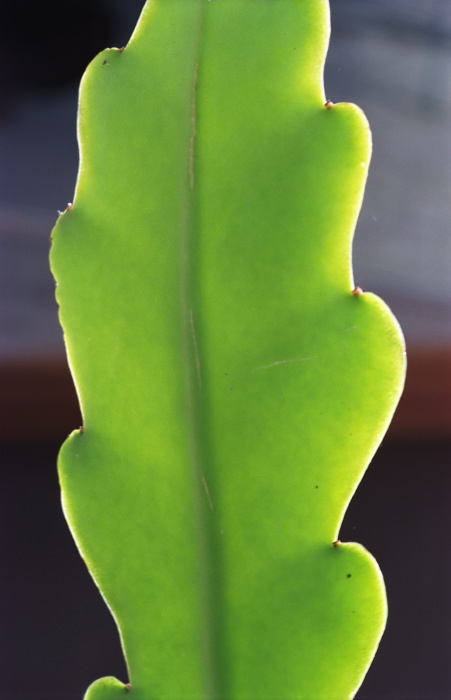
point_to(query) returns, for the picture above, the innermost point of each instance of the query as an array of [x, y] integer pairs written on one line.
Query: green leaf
[[233, 387]]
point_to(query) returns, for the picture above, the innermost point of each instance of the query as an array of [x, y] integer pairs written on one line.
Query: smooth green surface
[[233, 388]]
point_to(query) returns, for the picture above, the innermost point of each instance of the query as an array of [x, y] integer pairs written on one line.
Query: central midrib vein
[[209, 595]]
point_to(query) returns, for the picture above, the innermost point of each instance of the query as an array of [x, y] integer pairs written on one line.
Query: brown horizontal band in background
[[38, 401]]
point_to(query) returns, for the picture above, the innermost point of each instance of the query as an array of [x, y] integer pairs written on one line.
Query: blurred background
[[394, 60]]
